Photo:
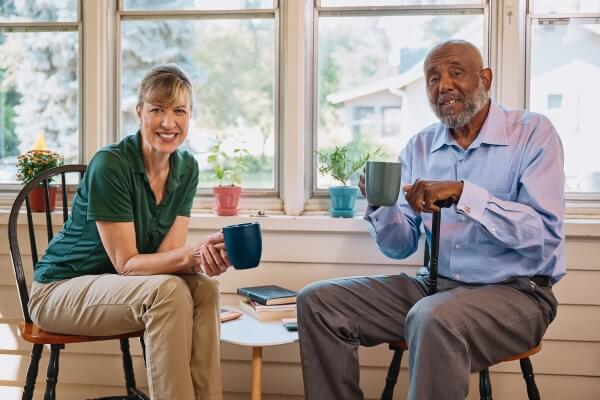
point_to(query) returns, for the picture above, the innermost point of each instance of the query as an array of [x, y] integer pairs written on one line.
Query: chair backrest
[[42, 180]]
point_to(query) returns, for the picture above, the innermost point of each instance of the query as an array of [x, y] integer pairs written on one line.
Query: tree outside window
[[232, 65], [39, 81]]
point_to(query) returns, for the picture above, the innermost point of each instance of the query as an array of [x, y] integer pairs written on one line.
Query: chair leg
[[392, 375], [485, 386], [32, 371], [127, 365], [527, 370], [132, 391], [52, 375]]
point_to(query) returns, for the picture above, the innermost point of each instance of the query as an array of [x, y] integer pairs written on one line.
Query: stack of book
[[268, 303]]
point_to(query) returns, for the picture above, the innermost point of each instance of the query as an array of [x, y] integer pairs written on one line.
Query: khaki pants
[[180, 315]]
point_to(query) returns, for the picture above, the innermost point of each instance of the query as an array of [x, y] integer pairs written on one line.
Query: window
[[364, 121], [369, 69], [554, 101], [39, 80], [565, 59], [391, 120], [231, 56], [565, 6]]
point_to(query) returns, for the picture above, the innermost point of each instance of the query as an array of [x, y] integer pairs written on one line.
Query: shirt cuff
[[380, 217], [473, 201]]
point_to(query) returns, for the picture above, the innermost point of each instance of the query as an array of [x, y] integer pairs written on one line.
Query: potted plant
[[342, 167], [227, 167], [32, 164]]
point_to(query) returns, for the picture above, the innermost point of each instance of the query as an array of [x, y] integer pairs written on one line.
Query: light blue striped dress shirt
[[509, 219]]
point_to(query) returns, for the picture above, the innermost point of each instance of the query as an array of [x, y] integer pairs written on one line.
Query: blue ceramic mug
[[243, 243]]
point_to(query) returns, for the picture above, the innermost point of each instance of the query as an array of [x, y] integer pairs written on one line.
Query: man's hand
[[361, 185], [422, 195], [213, 255]]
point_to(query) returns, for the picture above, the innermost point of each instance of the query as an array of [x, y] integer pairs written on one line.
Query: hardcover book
[[268, 295], [268, 315]]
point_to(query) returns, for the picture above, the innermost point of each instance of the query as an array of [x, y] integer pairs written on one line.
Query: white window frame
[[9, 191], [578, 204], [508, 30], [252, 199], [317, 199]]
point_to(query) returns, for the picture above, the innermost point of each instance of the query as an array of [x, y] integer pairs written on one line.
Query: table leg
[[256, 373]]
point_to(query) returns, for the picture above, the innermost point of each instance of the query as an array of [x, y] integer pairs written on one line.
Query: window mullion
[[511, 53], [294, 109], [97, 69]]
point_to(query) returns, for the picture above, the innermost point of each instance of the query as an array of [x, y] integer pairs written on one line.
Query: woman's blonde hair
[[165, 84]]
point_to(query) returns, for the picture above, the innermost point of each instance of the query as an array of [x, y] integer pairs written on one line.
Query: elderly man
[[501, 247]]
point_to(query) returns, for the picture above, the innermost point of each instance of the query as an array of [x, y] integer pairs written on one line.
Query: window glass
[[39, 96], [348, 3], [565, 6], [554, 100], [232, 67], [38, 11], [196, 4], [391, 120], [371, 90], [364, 121], [564, 85]]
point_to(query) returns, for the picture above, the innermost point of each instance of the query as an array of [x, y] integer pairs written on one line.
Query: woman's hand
[[192, 259], [213, 255]]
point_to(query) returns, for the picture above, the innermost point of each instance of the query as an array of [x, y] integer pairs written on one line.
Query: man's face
[[456, 88]]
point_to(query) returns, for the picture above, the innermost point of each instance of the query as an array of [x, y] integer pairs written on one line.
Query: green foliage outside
[[238, 84], [341, 165], [9, 143]]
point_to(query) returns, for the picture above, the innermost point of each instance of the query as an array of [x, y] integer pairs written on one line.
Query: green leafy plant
[[340, 165], [226, 166], [34, 162]]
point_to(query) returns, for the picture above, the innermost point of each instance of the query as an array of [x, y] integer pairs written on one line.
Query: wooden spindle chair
[[27, 329], [485, 386]]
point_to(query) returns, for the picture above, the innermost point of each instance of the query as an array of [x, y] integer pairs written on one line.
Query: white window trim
[[318, 199], [8, 192], [98, 73], [252, 200], [578, 205], [99, 110]]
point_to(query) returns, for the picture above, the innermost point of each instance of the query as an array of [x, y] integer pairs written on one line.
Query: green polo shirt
[[115, 187]]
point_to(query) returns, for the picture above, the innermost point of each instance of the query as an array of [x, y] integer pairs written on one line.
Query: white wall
[[305, 249]]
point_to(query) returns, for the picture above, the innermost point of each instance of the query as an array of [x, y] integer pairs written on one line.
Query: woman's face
[[164, 128]]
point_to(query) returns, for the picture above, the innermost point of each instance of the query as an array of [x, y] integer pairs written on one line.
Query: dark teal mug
[[243, 243], [383, 182]]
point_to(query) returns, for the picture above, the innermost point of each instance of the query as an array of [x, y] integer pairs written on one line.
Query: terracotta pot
[[37, 201], [227, 199]]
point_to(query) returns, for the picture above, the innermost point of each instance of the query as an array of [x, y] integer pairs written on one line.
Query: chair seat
[[34, 334], [528, 353], [401, 345]]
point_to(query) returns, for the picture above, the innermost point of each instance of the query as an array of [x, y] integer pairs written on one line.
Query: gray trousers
[[461, 329]]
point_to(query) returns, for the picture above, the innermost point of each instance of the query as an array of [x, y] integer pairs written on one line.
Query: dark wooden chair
[[485, 387], [27, 329]]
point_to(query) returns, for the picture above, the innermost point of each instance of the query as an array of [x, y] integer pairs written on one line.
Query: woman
[[121, 262]]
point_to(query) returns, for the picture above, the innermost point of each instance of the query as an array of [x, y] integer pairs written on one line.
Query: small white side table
[[248, 331]]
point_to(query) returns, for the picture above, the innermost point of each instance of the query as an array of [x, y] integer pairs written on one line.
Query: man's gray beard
[[473, 105]]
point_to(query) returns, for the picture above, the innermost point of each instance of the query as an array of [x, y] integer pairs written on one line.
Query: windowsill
[[303, 223], [580, 227], [574, 227]]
